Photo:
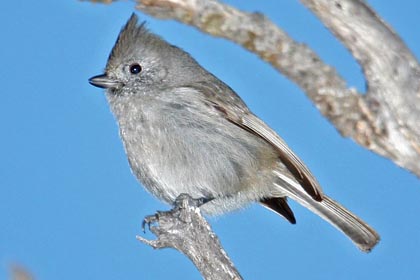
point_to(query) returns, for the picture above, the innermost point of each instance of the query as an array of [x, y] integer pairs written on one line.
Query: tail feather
[[353, 227], [357, 230]]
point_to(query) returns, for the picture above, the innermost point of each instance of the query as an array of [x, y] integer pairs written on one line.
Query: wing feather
[[289, 159], [231, 106]]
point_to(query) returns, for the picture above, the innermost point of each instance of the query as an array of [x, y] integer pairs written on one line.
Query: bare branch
[[185, 230], [392, 74]]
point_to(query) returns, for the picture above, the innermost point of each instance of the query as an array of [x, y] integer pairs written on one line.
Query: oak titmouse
[[185, 131]]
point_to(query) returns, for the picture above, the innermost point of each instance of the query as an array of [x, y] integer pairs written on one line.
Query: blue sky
[[70, 207]]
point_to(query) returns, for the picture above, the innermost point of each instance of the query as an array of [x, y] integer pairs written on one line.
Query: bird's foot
[[148, 220], [185, 199]]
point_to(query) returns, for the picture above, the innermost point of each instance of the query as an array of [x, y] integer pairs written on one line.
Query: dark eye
[[135, 68]]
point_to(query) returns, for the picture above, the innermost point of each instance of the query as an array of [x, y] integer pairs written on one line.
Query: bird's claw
[[148, 220], [196, 202]]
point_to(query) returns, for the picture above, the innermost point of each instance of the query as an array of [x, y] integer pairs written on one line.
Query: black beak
[[103, 81]]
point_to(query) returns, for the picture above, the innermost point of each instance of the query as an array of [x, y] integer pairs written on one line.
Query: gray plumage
[[185, 131]]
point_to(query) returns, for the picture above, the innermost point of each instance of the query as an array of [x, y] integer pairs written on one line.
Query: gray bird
[[185, 131]]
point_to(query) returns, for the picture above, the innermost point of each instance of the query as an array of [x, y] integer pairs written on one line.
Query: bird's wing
[[231, 106], [301, 173]]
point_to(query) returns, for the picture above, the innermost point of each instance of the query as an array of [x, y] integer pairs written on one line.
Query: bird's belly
[[202, 163], [169, 166]]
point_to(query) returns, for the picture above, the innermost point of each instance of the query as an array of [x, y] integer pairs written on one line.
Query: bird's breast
[[173, 149]]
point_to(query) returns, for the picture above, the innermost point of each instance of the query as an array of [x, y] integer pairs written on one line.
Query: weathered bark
[[392, 74], [384, 120], [185, 230]]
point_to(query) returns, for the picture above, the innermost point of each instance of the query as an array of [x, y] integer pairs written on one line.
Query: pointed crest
[[129, 39]]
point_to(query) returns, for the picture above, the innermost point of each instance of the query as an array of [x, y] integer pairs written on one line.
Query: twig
[[184, 229]]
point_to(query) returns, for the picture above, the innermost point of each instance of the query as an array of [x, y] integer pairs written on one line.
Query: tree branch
[[184, 229], [392, 74], [385, 120]]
